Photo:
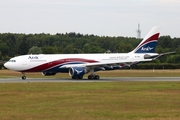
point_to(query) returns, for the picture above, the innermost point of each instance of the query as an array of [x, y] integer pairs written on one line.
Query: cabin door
[[24, 60]]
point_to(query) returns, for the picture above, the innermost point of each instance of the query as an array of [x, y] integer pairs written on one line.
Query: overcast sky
[[98, 17]]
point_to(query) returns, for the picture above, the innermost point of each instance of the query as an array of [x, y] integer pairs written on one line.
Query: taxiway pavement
[[112, 79]]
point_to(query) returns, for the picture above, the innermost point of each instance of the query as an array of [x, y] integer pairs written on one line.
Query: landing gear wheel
[[73, 77], [80, 77], [77, 77], [23, 77], [90, 77], [96, 77]]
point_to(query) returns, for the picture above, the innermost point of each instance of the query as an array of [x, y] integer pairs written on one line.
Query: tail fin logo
[[146, 49], [148, 44], [78, 71]]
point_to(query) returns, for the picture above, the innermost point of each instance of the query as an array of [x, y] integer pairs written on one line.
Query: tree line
[[12, 44]]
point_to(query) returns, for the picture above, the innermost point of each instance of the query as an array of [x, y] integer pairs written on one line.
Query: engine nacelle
[[146, 56], [49, 73], [77, 71]]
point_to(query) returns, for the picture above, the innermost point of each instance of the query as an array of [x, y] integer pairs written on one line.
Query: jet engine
[[146, 56], [77, 72], [48, 73]]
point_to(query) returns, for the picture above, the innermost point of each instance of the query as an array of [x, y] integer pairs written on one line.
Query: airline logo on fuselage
[[147, 49], [33, 57], [78, 71]]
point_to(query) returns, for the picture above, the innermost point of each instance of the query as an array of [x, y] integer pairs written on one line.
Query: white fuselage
[[43, 62]]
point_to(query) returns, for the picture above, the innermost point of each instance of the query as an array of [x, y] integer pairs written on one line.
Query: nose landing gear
[[23, 76]]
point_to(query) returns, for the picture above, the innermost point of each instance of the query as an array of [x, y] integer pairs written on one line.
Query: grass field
[[89, 101]]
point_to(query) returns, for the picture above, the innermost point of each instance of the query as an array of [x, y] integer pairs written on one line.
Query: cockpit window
[[12, 61]]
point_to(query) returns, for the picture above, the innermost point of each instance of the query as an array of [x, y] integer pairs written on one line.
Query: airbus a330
[[77, 65]]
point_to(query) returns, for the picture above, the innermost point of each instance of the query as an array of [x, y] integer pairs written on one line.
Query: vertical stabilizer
[[148, 44]]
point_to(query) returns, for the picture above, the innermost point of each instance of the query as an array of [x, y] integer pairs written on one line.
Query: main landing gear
[[23, 76], [90, 77], [93, 76]]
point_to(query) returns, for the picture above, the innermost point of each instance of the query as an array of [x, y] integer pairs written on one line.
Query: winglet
[[148, 44]]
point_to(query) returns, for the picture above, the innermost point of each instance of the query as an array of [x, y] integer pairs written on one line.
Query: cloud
[[167, 1]]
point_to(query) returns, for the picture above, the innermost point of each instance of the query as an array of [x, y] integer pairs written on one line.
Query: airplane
[[79, 64]]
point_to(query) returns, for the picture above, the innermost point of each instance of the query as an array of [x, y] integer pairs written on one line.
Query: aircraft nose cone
[[9, 66], [6, 65]]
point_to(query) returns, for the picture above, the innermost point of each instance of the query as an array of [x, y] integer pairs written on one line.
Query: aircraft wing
[[119, 64]]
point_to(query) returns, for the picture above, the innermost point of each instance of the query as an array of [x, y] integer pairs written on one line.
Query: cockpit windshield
[[12, 61]]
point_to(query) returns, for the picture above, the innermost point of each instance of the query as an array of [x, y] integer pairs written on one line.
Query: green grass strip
[[89, 101]]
